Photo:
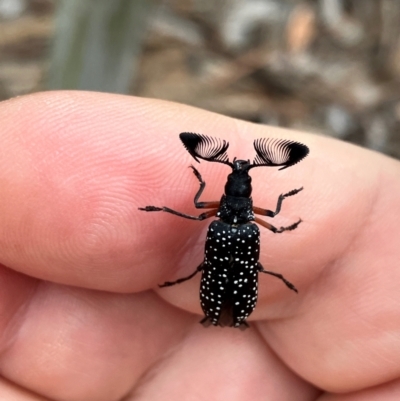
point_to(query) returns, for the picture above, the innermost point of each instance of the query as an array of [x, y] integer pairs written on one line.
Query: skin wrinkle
[[14, 323], [156, 369], [12, 392], [262, 338]]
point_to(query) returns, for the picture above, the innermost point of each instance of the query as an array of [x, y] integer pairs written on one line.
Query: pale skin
[[81, 315]]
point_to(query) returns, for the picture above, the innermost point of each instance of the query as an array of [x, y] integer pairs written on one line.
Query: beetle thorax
[[235, 209]]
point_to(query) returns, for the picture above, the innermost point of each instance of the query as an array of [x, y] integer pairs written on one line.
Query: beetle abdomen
[[228, 291]]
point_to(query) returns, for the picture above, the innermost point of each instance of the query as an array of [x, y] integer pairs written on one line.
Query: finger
[[75, 167], [220, 364], [76, 344], [386, 392], [343, 332], [11, 392]]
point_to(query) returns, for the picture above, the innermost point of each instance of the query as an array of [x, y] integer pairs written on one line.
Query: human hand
[[81, 315]]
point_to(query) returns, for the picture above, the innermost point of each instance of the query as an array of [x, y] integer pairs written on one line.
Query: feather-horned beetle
[[228, 291]]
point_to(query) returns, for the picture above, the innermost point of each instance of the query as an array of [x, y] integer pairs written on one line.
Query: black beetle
[[228, 291]]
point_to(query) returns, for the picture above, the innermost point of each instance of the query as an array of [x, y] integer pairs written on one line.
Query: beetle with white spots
[[229, 283]]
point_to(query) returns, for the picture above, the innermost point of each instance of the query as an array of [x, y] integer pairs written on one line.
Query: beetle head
[[239, 181]]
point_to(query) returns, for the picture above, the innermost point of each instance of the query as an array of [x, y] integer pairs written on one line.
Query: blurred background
[[325, 66]]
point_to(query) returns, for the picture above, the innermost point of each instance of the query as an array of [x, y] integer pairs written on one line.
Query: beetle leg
[[270, 213], [206, 322], [202, 205], [200, 217], [199, 205], [181, 280], [288, 283], [274, 229]]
